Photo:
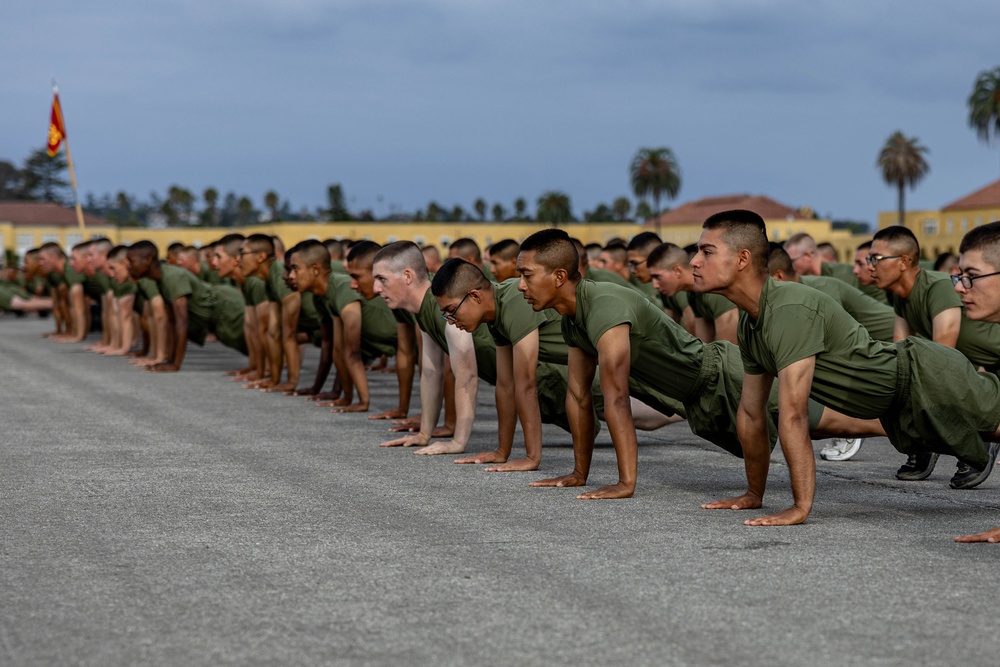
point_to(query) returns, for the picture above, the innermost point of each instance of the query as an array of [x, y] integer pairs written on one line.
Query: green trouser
[[714, 398], [942, 403]]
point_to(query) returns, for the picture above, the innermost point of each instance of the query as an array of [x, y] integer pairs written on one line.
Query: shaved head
[[554, 250], [456, 277], [402, 255], [901, 240], [667, 256]]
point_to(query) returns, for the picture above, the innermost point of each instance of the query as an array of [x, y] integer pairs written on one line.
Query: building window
[[419, 240], [979, 220], [72, 240], [25, 242], [965, 225], [949, 226], [930, 227]]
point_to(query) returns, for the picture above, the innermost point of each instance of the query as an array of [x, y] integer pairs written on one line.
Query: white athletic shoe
[[842, 449]]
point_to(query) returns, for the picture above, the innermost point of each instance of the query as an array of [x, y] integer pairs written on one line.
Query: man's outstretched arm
[[179, 310], [751, 428], [580, 412], [462, 353], [432, 360], [614, 359]]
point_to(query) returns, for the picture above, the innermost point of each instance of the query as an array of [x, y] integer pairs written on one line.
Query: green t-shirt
[[68, 277], [845, 273], [97, 285], [515, 319], [254, 291], [310, 319], [876, 317], [605, 276], [326, 306], [431, 323], [677, 303], [175, 283], [709, 306], [209, 275], [663, 355], [148, 288], [123, 289], [933, 293], [8, 291], [276, 287], [337, 266], [854, 374], [378, 325]]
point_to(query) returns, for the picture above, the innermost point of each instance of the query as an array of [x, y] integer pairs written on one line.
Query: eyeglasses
[[967, 280], [450, 316], [873, 260], [632, 266]]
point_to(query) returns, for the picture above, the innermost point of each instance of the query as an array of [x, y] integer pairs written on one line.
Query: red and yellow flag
[[57, 130]]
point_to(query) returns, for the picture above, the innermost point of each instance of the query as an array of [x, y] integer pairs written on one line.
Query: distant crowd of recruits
[[751, 342]]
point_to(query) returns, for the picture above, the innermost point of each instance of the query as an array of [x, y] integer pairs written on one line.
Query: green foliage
[[902, 164], [984, 105], [554, 208], [621, 206], [42, 177], [655, 173], [499, 212], [337, 209]]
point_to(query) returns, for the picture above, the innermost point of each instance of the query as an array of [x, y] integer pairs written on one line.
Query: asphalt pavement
[[180, 519]]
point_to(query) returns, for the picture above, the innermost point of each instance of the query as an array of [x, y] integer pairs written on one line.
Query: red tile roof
[[987, 197], [42, 213], [695, 212]]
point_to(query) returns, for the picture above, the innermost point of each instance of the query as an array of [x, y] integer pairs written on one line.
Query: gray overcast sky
[[450, 100]]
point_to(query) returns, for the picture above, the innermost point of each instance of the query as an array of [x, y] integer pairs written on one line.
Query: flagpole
[[72, 172]]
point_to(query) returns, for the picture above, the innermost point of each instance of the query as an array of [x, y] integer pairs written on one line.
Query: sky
[[405, 101]]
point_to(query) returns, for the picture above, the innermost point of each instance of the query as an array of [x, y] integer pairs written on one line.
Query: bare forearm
[[506, 419], [531, 420], [404, 376]]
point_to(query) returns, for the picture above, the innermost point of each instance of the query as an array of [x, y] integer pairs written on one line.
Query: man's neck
[[903, 287], [745, 293], [415, 298], [565, 301], [264, 270], [321, 284]]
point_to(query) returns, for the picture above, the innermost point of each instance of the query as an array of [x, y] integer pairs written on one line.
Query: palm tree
[[499, 212], [643, 211], [271, 202], [554, 207], [433, 212], [480, 207], [244, 208], [655, 172], [902, 163], [210, 216], [123, 203], [984, 105], [622, 207], [520, 208]]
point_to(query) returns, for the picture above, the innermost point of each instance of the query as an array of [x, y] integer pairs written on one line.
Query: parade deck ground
[[179, 519]]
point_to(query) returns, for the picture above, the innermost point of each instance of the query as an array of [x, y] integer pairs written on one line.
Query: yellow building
[[29, 224], [25, 225], [682, 225], [942, 231]]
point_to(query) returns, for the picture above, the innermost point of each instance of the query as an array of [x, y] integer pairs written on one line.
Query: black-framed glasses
[[873, 260], [450, 316], [632, 266], [967, 280]]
